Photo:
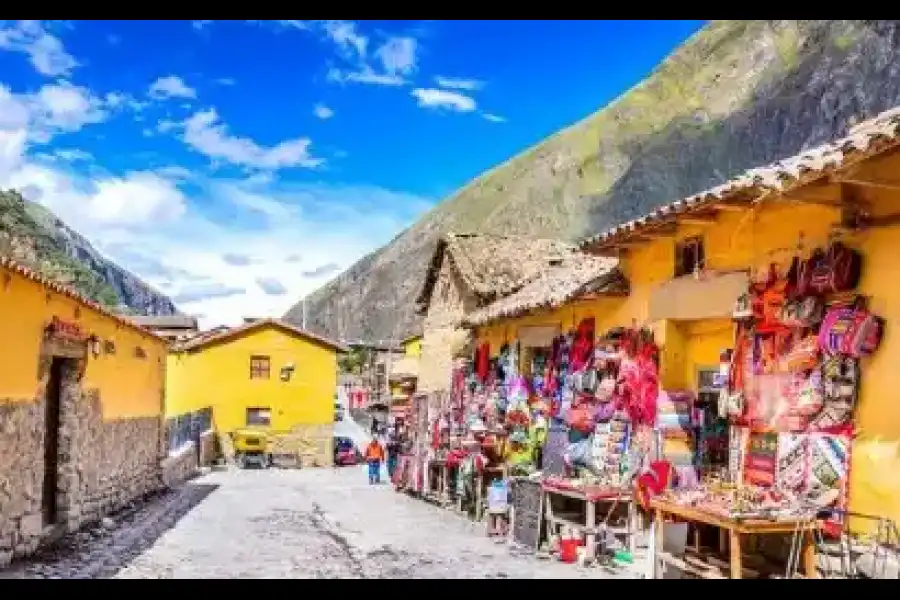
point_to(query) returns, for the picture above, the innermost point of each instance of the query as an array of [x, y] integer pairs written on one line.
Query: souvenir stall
[[788, 388], [606, 397], [410, 473]]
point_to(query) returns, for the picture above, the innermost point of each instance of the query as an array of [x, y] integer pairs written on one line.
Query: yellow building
[[412, 346], [81, 405], [687, 262], [266, 373], [404, 375]]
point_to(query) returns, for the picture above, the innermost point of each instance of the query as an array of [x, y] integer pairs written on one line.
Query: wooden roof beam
[[893, 186], [698, 220]]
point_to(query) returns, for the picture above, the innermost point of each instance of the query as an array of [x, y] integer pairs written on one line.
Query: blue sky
[[237, 165]]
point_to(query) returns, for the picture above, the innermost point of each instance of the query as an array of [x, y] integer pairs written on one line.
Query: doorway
[[50, 489]]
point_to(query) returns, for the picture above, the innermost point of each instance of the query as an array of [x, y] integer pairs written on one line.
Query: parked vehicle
[[345, 452], [251, 448]]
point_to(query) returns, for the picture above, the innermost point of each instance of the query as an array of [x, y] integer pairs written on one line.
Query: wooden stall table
[[591, 497], [734, 530], [441, 494]]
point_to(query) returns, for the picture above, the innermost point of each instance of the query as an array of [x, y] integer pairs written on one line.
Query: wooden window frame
[[260, 367], [690, 256], [257, 410]]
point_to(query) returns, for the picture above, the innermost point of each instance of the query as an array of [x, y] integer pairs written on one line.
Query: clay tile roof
[[12, 266], [491, 265], [201, 341], [556, 285], [864, 140]]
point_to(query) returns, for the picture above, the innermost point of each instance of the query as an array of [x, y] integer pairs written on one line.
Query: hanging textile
[[583, 344], [483, 361]]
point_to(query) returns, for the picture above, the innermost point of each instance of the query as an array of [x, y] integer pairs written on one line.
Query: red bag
[[837, 269]]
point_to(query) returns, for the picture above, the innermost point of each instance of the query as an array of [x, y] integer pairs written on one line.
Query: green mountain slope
[[736, 95], [36, 238]]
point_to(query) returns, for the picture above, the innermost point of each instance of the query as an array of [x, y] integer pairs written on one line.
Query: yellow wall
[[412, 348], [218, 375], [129, 386], [755, 239]]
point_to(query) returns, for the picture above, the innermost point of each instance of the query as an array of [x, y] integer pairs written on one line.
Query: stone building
[[81, 405], [173, 328], [467, 272]]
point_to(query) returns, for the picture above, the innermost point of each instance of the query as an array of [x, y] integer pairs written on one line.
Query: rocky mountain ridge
[[35, 237], [737, 94]]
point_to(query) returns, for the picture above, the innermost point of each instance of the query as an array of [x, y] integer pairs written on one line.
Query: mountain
[[37, 238], [736, 95]]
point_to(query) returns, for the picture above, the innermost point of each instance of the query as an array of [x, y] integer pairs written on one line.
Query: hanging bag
[[803, 355], [836, 269], [805, 312]]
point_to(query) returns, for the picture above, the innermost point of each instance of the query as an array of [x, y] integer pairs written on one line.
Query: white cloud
[[53, 109], [44, 50], [138, 199], [173, 227], [493, 118], [73, 154], [322, 111], [398, 56], [455, 83], [200, 25], [207, 134], [171, 86], [391, 63], [444, 99], [350, 43], [226, 81]]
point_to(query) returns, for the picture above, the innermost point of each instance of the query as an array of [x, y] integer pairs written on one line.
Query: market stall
[[575, 413], [786, 397]]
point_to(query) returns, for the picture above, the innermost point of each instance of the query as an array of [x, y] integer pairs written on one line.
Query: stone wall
[[305, 446], [208, 450], [443, 337], [181, 465], [102, 465]]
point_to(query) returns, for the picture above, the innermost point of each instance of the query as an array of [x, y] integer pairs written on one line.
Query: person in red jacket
[[374, 456]]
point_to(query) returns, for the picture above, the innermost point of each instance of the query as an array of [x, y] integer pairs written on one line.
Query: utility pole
[[304, 313]]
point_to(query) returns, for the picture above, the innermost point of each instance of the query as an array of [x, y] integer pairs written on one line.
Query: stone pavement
[[311, 523]]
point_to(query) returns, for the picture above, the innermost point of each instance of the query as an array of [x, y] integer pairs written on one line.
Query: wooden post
[[734, 549], [809, 556], [590, 523], [659, 536]]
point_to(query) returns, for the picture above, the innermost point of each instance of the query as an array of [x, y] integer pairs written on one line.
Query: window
[[707, 390], [689, 256], [259, 367], [259, 416]]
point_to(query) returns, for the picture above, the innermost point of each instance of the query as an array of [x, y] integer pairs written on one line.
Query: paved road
[[312, 523]]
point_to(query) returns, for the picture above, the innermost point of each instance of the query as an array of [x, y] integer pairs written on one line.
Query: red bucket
[[568, 550]]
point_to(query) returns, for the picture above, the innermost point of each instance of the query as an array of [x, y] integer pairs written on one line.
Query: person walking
[[374, 456], [393, 452]]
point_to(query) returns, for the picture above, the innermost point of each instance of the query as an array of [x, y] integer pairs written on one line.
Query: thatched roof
[[491, 266], [864, 141], [203, 341], [574, 276]]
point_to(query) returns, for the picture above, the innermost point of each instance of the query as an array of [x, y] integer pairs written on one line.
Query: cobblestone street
[[289, 524]]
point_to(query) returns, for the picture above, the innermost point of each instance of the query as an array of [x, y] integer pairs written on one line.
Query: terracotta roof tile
[[23, 271], [863, 141], [205, 340]]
